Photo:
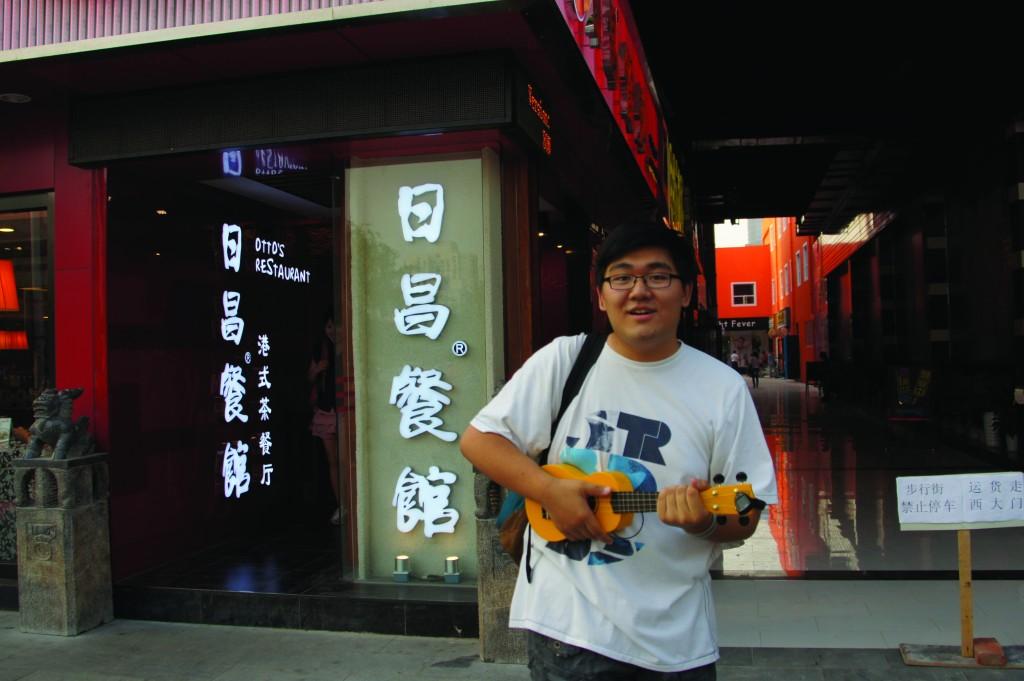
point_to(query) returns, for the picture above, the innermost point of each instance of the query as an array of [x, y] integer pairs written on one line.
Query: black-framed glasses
[[626, 282]]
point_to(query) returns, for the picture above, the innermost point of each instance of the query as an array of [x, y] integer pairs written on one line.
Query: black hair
[[632, 236]]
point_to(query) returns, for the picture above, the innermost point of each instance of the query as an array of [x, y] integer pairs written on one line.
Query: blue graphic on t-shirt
[[632, 436], [586, 460]]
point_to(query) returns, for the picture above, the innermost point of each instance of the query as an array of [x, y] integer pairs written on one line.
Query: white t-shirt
[[646, 599]]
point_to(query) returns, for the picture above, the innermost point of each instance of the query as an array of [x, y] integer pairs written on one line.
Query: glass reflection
[[836, 468]]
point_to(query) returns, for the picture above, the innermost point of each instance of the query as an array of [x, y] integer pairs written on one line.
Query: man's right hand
[[566, 501]]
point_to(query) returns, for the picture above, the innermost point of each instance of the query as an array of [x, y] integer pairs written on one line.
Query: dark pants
[[552, 660]]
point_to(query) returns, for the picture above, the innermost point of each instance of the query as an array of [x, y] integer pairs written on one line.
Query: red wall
[[35, 160], [780, 234], [743, 264]]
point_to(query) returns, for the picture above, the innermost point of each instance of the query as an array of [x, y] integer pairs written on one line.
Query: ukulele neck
[[634, 502]]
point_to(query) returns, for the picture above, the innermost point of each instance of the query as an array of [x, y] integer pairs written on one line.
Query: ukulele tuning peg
[[744, 520], [741, 476], [721, 519], [718, 479]]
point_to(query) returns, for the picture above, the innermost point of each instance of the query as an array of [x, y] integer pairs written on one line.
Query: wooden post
[[966, 602]]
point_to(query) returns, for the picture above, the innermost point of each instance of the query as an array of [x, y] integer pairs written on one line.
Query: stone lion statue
[[53, 427]]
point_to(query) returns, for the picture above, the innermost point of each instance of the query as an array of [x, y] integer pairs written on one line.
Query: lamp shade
[[13, 340], [8, 289]]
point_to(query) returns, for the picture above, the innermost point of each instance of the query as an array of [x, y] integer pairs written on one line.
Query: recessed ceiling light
[[540, 233], [15, 98], [161, 211], [6, 229]]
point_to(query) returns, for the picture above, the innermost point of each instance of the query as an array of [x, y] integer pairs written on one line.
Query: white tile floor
[[862, 613]]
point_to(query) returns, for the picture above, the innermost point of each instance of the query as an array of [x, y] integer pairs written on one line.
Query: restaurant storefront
[[286, 294]]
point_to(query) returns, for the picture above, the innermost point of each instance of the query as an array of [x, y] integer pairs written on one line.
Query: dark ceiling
[[776, 115]]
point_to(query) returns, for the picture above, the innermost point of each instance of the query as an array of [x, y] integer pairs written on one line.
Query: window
[[799, 269], [807, 263], [773, 290], [744, 294], [26, 317]]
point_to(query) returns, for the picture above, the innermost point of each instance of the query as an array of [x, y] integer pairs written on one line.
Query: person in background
[[755, 369], [324, 424]]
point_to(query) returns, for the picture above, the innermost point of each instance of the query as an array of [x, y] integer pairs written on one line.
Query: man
[[637, 604]]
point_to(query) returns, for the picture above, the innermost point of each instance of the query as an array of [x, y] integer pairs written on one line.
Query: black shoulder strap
[[593, 344]]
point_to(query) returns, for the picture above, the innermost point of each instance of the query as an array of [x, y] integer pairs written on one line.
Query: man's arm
[[565, 500]]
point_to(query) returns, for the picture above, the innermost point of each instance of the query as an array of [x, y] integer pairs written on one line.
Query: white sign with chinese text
[[961, 501]]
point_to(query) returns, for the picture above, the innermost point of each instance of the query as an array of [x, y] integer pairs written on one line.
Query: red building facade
[[743, 292]]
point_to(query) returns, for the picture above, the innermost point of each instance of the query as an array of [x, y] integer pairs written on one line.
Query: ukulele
[[615, 512]]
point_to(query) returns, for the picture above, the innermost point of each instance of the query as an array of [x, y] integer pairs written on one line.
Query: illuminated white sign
[[273, 162], [232, 389], [417, 499], [421, 316], [236, 479], [421, 220], [231, 161], [273, 268], [240, 372], [232, 326], [231, 243], [417, 394]]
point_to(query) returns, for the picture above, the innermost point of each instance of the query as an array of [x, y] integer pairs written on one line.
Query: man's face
[[644, 320]]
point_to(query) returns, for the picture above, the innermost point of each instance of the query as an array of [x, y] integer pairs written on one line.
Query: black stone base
[[411, 610], [8, 594]]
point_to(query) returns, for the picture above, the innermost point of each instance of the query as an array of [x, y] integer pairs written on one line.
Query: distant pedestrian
[[734, 360], [773, 370], [755, 369]]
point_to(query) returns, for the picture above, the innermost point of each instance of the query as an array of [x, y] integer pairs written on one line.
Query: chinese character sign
[[961, 499], [426, 235], [424, 499], [236, 479], [417, 394], [232, 326], [232, 389], [231, 242], [420, 218], [252, 268], [421, 316]]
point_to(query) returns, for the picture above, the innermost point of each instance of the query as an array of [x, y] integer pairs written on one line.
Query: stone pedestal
[[64, 584], [495, 582]]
